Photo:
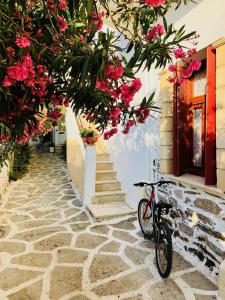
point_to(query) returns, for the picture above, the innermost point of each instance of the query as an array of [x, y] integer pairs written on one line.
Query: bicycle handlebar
[[158, 183]]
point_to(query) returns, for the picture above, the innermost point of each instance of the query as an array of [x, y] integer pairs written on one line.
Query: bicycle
[[156, 229]]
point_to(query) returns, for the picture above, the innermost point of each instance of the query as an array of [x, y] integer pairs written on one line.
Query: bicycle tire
[[164, 232], [142, 204]]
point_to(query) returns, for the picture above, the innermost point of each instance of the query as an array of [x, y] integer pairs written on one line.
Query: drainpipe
[[89, 174]]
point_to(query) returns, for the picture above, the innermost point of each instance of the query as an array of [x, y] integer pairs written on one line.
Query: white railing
[[81, 159]]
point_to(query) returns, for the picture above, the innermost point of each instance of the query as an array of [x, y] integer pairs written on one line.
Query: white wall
[[133, 154]]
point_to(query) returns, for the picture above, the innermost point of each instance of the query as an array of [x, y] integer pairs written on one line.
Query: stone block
[[220, 118], [221, 281], [167, 109], [166, 138], [166, 124], [220, 97], [186, 229], [220, 56], [220, 75], [221, 179], [220, 158], [220, 138], [178, 194], [207, 205], [166, 152], [166, 166]]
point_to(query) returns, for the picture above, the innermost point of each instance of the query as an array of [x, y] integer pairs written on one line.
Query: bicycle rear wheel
[[145, 222], [163, 250]]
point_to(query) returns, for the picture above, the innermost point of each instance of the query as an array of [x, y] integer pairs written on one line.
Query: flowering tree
[[54, 53]]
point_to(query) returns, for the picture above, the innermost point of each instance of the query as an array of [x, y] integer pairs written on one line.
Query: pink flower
[[172, 68], [179, 53], [136, 85], [181, 80], [126, 95], [18, 72], [155, 32], [195, 65], [155, 3], [8, 81], [62, 24], [114, 72], [115, 93], [115, 114], [23, 42], [97, 19], [102, 85], [62, 5]]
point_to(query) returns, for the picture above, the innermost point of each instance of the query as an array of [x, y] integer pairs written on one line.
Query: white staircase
[[108, 201]]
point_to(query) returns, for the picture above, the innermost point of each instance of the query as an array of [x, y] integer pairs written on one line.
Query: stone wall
[[198, 219], [166, 124], [4, 179], [220, 113]]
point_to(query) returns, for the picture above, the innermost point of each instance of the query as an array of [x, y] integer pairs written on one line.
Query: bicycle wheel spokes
[[163, 253], [163, 249]]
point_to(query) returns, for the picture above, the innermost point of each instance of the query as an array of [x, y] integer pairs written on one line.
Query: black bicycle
[[155, 228]]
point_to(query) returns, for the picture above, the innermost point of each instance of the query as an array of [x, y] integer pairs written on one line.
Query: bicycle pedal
[[148, 236]]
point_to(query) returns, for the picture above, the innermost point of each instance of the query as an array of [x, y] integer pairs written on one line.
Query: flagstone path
[[51, 249]]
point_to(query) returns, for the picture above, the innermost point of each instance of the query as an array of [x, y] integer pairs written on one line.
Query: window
[[194, 114]]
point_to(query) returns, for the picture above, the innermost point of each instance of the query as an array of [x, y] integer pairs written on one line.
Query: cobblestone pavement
[[51, 249]]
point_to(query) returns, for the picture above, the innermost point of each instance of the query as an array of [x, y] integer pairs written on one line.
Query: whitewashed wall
[[134, 154]]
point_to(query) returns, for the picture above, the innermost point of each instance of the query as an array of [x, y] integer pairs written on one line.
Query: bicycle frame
[[155, 217]]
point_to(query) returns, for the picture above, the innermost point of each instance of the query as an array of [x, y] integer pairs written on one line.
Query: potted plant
[[88, 135], [51, 147]]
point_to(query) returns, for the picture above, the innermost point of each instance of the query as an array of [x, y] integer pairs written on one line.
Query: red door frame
[[210, 145]]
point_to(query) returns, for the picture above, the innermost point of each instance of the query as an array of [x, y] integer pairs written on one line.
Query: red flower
[[102, 85], [155, 32], [179, 53], [23, 42], [8, 81], [136, 85], [62, 5], [172, 68], [18, 72], [114, 72], [62, 24], [155, 3], [115, 114], [97, 19]]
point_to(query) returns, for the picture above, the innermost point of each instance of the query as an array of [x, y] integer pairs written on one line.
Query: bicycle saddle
[[164, 205]]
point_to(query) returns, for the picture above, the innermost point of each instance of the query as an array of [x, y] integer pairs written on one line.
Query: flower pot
[[51, 149], [90, 140]]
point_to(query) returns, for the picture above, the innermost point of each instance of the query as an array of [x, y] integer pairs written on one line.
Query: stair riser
[[108, 198], [104, 167], [102, 157], [105, 176], [101, 187]]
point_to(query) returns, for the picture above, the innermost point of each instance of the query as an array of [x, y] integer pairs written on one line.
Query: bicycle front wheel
[[145, 217], [163, 250]]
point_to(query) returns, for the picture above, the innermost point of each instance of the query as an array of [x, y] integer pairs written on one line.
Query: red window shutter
[[210, 146]]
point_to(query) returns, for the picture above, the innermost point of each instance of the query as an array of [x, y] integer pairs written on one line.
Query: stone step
[[102, 157], [105, 175], [107, 211], [109, 196], [107, 185], [104, 165]]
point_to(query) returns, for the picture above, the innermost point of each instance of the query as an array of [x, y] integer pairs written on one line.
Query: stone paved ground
[[51, 249]]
